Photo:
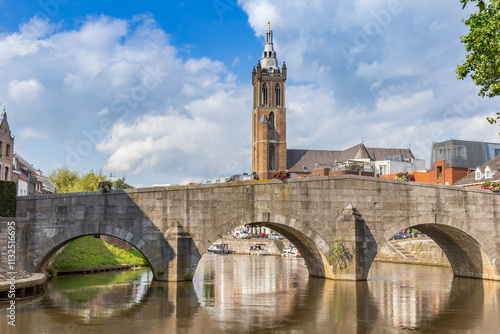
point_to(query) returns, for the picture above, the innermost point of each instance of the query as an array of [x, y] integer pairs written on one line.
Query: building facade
[[6, 150], [269, 151], [463, 153], [31, 181]]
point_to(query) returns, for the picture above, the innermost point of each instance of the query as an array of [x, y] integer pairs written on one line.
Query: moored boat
[[290, 250], [258, 249], [219, 248]]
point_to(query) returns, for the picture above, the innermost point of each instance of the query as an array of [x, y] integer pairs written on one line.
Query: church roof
[[298, 159]]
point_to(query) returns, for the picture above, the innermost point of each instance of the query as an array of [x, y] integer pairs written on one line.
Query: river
[[261, 294]]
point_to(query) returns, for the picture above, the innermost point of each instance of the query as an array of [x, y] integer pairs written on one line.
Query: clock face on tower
[[270, 62]]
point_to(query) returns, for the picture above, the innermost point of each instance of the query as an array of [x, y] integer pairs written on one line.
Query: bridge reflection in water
[[248, 294]]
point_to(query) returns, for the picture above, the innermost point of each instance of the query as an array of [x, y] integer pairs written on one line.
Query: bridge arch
[[309, 242], [470, 252], [157, 258]]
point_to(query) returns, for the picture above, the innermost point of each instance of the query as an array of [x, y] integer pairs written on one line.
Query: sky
[[160, 92]]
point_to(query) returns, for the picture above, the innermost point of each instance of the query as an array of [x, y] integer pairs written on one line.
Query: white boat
[[290, 250], [258, 249], [219, 248]]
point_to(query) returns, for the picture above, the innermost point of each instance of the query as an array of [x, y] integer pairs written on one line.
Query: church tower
[[269, 113]]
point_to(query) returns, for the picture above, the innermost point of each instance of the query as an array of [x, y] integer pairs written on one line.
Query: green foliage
[[68, 181], [189, 277], [481, 4], [89, 252], [131, 256], [494, 120], [339, 254], [120, 184], [482, 61], [8, 193]]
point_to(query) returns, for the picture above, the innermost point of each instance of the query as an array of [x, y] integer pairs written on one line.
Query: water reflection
[[98, 296], [247, 294]]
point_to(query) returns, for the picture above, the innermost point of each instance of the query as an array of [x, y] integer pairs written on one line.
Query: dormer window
[[479, 175], [487, 173]]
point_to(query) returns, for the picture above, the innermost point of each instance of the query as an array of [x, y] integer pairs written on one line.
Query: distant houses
[[356, 160], [13, 167], [487, 172]]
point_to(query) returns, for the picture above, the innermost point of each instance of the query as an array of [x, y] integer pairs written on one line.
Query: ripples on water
[[255, 294]]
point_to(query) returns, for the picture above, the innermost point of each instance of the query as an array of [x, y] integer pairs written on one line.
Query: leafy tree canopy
[[68, 181], [482, 44], [481, 4], [120, 184]]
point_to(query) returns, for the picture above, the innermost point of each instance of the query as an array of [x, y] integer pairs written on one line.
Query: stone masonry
[[174, 226]]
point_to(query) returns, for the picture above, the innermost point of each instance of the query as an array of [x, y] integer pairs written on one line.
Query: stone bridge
[[174, 226]]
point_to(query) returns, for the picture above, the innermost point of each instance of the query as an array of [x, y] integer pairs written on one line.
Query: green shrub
[[8, 193], [90, 252]]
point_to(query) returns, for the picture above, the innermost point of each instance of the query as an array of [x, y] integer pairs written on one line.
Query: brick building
[[447, 175]]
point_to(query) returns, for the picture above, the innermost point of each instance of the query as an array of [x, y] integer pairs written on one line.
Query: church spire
[[269, 60]]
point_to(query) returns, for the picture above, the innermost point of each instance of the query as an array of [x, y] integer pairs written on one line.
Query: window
[[439, 172], [263, 97], [383, 170], [487, 173], [478, 174], [497, 152], [271, 121], [6, 178], [7, 151], [277, 95], [1, 145], [461, 152], [272, 158]]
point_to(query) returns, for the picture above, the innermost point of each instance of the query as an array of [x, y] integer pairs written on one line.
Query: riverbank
[[89, 254], [421, 251], [22, 282]]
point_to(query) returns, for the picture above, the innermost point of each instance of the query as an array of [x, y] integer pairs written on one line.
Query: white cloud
[[197, 144], [25, 90], [31, 133]]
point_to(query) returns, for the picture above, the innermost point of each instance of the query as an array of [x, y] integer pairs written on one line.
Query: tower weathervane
[[269, 24]]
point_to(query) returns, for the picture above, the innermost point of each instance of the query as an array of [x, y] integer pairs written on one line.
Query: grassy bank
[[89, 252]]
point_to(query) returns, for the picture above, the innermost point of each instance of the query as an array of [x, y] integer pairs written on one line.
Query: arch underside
[[310, 244], [466, 256], [466, 253], [157, 258]]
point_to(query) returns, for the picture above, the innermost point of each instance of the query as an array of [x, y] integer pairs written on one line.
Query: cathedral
[[269, 147]]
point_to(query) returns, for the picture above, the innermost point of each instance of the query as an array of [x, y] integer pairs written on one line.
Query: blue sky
[[161, 92]]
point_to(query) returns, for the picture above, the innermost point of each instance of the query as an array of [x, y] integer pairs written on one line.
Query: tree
[[482, 44], [481, 4], [494, 120], [63, 178], [120, 184], [68, 181]]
